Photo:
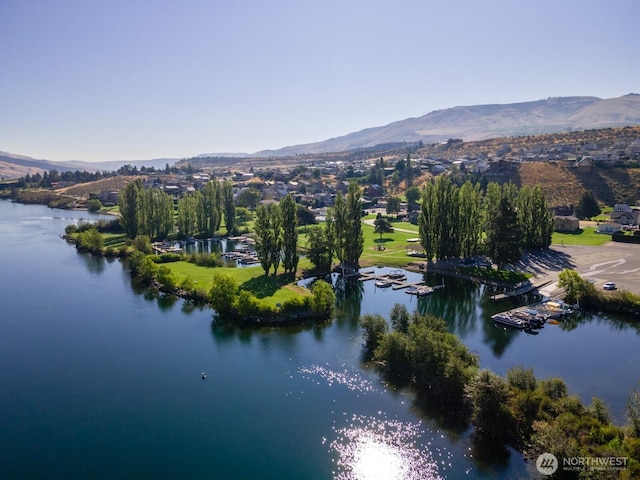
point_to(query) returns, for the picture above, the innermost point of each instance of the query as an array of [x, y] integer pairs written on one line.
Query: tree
[[319, 247], [382, 225], [339, 222], [211, 198], [222, 295], [408, 172], [413, 196], [277, 231], [250, 198], [187, 215], [353, 234], [323, 297], [393, 205], [374, 326], [263, 237], [633, 411], [576, 288], [289, 234], [488, 395], [427, 223], [504, 235], [228, 206], [470, 219], [305, 216], [128, 204], [588, 206], [400, 318]]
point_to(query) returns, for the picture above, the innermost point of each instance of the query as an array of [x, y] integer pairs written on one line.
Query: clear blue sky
[[140, 79]]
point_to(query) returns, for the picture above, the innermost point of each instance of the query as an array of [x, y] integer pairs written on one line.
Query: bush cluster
[[533, 415]]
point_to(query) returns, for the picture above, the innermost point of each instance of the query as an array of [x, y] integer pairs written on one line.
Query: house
[[623, 214], [566, 223], [584, 164], [609, 228]]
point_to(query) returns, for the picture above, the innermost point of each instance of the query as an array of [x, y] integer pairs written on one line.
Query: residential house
[[564, 223], [623, 214], [609, 228]]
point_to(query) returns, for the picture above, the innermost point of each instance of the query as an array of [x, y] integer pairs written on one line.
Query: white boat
[[509, 320], [422, 291], [383, 283]]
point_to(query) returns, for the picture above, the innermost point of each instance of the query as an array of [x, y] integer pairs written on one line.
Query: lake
[[100, 380]]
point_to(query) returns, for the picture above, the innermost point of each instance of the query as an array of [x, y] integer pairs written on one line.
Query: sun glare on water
[[372, 449]]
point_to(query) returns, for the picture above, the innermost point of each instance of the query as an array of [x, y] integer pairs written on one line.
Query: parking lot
[[612, 262]]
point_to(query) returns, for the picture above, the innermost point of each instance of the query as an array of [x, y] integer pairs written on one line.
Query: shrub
[[94, 205], [167, 258]]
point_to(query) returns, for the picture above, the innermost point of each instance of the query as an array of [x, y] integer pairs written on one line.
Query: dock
[[396, 282], [534, 315]]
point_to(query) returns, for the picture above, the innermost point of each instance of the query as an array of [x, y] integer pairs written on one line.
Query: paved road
[[612, 262]]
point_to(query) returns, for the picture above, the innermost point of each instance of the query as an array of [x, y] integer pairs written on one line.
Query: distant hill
[[14, 166], [552, 115], [469, 123]]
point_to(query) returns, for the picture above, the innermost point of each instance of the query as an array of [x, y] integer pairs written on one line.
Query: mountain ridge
[[480, 122], [469, 123]]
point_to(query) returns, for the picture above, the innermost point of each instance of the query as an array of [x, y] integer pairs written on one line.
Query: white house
[[609, 228]]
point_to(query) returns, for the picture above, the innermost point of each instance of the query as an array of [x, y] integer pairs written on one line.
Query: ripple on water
[[352, 380], [371, 448]]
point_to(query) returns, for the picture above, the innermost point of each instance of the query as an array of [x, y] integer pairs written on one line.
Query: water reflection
[[378, 448], [95, 264]]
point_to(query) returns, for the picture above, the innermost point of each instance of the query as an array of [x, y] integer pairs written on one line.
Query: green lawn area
[[114, 240], [583, 236], [271, 289]]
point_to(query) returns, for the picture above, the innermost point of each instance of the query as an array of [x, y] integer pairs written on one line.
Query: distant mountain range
[[479, 122]]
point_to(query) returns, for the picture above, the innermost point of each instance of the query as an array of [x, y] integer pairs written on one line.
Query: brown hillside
[[84, 190], [564, 185]]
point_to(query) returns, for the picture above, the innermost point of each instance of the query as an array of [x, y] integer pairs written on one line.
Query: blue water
[[101, 381]]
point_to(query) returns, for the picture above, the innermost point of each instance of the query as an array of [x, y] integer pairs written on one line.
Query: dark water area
[[100, 380]]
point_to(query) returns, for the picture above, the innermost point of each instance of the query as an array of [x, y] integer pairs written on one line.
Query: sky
[[99, 80]]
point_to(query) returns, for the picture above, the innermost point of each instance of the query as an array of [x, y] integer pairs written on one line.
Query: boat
[[422, 291], [509, 320], [419, 291], [397, 275], [383, 283]]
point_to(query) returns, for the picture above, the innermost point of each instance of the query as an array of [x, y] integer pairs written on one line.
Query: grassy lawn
[[114, 240], [390, 250], [583, 236], [271, 289]]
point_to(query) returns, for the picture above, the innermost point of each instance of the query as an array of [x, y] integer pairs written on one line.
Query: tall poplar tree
[[339, 215], [128, 204], [229, 206], [354, 236], [427, 221], [504, 234], [263, 237], [470, 219], [290, 234]]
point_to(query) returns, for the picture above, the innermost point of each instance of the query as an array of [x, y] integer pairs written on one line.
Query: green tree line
[[465, 221], [154, 213]]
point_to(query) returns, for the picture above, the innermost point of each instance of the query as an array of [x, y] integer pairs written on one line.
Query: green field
[[271, 289], [583, 236]]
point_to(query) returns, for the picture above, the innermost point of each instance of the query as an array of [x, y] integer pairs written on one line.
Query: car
[[609, 286]]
